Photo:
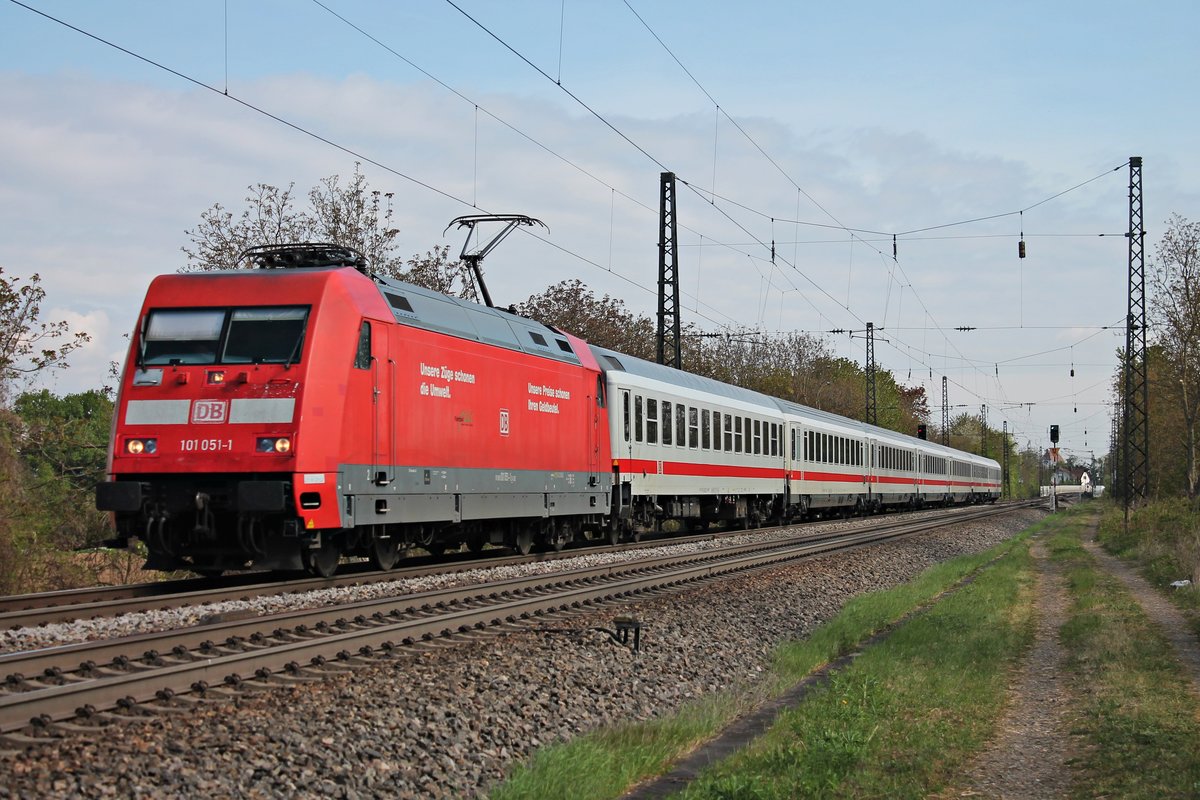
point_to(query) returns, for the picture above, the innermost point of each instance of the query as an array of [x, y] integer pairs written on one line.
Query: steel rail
[[32, 610], [283, 651]]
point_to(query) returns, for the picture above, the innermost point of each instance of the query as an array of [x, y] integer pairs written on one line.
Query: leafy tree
[[1175, 317], [31, 557], [65, 438], [27, 345], [53, 451], [351, 215], [605, 321]]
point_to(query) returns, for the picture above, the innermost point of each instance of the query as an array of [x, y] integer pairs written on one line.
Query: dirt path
[[1028, 758], [1173, 624]]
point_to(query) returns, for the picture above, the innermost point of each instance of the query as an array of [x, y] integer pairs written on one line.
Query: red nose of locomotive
[[209, 463]]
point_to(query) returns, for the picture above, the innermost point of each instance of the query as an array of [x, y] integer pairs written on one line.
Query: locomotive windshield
[[272, 335]]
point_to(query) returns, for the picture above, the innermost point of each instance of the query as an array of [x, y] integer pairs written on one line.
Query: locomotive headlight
[[281, 445], [136, 447]]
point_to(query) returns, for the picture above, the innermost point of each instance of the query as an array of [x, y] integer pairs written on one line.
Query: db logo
[[208, 411]]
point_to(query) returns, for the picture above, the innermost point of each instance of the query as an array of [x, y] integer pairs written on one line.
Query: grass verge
[[1139, 724], [899, 721]]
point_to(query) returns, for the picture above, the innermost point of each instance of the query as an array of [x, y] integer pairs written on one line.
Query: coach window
[[651, 421], [728, 433], [637, 417], [625, 413], [666, 422], [757, 437], [681, 426], [362, 356], [774, 439], [694, 428], [705, 429], [737, 434]]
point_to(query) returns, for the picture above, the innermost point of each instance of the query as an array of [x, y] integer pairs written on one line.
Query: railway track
[[173, 669], [32, 610]]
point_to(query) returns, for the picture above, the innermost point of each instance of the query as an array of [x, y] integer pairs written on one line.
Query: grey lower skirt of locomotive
[[211, 524]]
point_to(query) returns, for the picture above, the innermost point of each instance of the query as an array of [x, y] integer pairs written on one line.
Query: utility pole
[[872, 412], [945, 414], [1136, 401], [983, 448], [1004, 468], [668, 274]]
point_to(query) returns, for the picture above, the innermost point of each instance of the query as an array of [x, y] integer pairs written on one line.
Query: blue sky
[[878, 116]]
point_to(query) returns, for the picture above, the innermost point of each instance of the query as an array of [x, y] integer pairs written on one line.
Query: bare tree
[[1175, 315], [28, 346], [351, 215]]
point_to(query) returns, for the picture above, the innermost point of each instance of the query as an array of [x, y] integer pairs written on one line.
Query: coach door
[[871, 468], [596, 403], [383, 408], [795, 449]]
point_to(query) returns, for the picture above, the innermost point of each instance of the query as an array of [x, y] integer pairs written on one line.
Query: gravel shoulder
[[451, 721]]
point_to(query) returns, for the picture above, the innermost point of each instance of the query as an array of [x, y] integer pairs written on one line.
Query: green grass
[[905, 718], [1138, 723], [909, 723], [1163, 537]]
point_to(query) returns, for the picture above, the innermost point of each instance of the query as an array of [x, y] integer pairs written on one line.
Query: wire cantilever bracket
[[474, 258]]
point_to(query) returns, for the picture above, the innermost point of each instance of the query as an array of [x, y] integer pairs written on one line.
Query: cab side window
[[362, 356]]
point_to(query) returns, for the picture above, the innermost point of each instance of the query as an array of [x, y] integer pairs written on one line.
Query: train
[[304, 410]]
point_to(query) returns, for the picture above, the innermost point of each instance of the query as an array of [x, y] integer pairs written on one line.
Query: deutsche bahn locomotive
[[285, 416]]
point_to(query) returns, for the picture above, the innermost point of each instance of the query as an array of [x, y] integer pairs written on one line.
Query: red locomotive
[[282, 417]]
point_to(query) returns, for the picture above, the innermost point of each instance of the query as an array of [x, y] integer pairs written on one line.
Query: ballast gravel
[[451, 720]]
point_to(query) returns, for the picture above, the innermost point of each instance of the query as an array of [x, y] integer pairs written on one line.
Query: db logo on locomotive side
[[210, 411]]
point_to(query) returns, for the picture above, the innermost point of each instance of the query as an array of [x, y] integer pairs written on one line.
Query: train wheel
[[384, 553], [322, 561], [523, 542], [614, 535], [559, 536]]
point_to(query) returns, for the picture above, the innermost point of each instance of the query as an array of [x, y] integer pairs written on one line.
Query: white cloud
[[104, 177]]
